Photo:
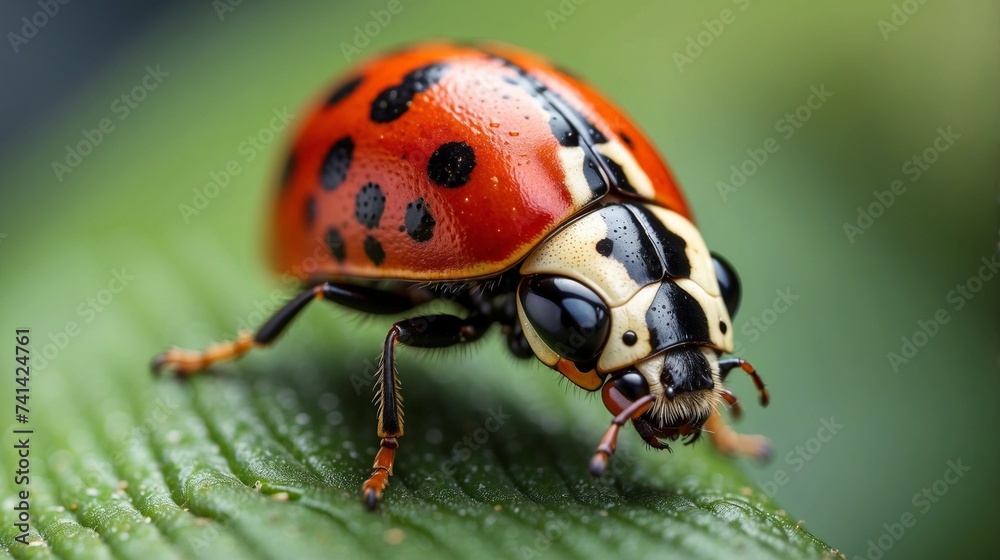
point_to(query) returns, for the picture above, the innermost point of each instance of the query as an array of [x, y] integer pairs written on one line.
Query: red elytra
[[516, 193]]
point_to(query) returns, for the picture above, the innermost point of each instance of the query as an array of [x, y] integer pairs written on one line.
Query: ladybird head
[[570, 327], [629, 300], [685, 388]]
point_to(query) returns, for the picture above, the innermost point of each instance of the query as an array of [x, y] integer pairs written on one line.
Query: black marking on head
[[451, 164], [288, 170], [336, 164], [604, 247], [686, 370], [674, 318], [569, 126], [343, 91], [335, 244], [369, 205], [670, 246], [618, 178], [419, 223], [723, 326], [310, 211], [394, 101], [374, 250], [630, 245], [625, 138], [630, 338]]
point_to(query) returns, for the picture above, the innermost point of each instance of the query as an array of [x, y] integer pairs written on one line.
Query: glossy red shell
[[515, 195]]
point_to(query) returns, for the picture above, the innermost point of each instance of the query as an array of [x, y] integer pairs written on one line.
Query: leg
[[732, 443], [606, 447], [734, 404], [432, 331], [725, 366], [187, 362]]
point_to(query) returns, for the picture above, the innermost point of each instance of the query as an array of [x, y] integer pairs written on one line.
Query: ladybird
[[484, 176]]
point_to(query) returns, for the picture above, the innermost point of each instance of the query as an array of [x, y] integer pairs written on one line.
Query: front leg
[[725, 438], [726, 366], [730, 442], [429, 331]]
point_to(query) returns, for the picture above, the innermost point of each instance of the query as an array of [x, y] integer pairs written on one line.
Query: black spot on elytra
[[605, 246], [419, 223], [618, 178], [343, 91], [394, 101], [374, 250], [310, 211], [630, 245], [670, 246], [335, 244], [369, 205], [336, 163], [568, 124], [675, 318], [451, 164]]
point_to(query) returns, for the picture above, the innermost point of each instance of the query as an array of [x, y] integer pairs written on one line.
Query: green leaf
[[264, 457]]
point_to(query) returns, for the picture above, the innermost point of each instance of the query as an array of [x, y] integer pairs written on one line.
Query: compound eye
[[729, 283], [568, 316], [623, 390]]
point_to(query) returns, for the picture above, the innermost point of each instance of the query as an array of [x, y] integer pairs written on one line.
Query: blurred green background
[[910, 103]]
